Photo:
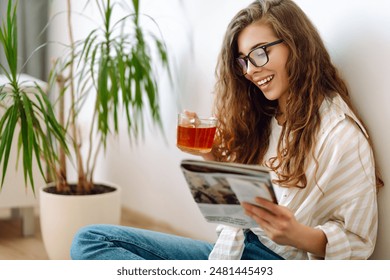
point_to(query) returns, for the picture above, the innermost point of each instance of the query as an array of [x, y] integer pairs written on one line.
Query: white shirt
[[340, 197], [273, 145]]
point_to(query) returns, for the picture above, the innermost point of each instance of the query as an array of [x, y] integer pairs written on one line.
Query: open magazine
[[219, 188]]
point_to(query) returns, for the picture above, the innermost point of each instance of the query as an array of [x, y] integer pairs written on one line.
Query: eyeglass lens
[[258, 57]]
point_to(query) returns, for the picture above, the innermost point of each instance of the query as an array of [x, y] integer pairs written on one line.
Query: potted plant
[[112, 66]]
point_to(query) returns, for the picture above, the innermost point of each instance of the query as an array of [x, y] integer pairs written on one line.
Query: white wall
[[358, 39]]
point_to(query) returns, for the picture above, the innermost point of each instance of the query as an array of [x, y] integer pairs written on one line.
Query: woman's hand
[[277, 221], [280, 225]]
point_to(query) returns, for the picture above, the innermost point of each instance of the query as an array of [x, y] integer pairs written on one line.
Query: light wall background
[[358, 38]]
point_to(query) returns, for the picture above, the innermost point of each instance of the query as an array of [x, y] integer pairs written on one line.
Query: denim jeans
[[109, 242]]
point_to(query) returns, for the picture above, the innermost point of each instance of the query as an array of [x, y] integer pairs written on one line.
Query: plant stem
[[81, 184], [62, 185]]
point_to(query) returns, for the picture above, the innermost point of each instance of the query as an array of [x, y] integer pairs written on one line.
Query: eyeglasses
[[258, 56]]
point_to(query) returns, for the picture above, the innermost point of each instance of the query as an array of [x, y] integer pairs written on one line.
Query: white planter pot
[[62, 215]]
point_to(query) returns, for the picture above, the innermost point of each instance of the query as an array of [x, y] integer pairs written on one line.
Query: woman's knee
[[85, 238]]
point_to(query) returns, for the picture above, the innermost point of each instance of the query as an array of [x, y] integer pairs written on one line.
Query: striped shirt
[[340, 196]]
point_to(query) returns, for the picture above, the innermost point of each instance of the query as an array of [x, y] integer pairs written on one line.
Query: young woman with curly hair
[[280, 103]]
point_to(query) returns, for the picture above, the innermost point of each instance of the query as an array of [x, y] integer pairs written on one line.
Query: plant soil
[[97, 189]]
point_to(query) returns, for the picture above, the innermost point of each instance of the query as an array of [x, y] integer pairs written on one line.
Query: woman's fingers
[[257, 213], [191, 119]]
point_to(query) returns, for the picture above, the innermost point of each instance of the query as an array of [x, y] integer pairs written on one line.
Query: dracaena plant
[[114, 63], [25, 112]]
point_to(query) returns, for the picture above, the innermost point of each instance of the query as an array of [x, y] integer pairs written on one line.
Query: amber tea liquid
[[198, 139]]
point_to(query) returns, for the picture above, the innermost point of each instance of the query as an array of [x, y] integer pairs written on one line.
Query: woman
[[285, 106], [280, 103]]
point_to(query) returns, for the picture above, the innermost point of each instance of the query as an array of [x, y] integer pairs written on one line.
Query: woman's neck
[[281, 111], [280, 118], [282, 101]]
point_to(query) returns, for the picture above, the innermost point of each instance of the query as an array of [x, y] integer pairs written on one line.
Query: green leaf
[[7, 139]]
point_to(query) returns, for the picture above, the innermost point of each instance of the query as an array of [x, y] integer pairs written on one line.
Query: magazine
[[219, 188]]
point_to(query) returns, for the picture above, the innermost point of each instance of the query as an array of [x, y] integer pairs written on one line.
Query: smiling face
[[272, 78]]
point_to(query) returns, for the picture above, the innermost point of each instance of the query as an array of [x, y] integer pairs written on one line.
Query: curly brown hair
[[245, 115]]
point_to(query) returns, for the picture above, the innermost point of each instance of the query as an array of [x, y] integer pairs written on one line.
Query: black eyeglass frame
[[247, 58]]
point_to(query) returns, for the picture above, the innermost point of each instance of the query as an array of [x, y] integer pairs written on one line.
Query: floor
[[13, 246]]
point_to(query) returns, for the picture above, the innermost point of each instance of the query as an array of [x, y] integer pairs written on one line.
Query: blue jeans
[[109, 242]]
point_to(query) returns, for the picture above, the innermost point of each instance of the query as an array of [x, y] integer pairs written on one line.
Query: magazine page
[[218, 192], [204, 166]]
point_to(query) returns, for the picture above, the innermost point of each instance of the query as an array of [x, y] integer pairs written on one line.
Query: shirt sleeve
[[349, 205], [229, 245], [353, 236]]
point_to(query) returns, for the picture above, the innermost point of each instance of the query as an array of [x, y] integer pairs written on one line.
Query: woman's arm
[[208, 156]]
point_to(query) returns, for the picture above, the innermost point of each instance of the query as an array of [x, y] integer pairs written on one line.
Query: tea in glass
[[195, 134]]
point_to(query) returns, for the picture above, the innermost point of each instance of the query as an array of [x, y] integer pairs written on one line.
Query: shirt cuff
[[337, 247]]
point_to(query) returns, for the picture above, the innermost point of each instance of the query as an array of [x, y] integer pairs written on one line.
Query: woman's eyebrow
[[253, 47]]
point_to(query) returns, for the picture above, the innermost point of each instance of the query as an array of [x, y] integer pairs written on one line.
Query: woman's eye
[[260, 53]]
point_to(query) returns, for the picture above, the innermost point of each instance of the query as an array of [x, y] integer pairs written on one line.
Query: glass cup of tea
[[195, 134]]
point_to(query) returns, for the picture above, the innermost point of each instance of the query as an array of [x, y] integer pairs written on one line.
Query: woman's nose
[[252, 68]]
